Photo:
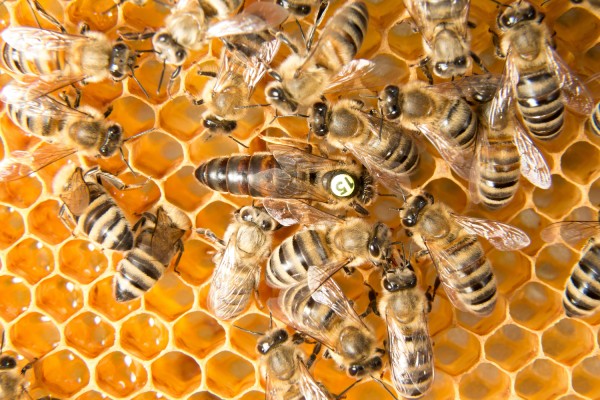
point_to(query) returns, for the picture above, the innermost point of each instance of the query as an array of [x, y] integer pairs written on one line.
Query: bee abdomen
[[298, 304], [582, 294], [541, 104], [417, 378], [499, 177], [400, 153], [136, 274], [460, 124], [351, 24], [42, 126], [24, 63], [105, 224]]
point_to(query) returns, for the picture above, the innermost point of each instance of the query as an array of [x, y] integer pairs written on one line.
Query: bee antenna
[[249, 331], [501, 4], [384, 386], [162, 76], [126, 162], [138, 82], [341, 395], [270, 320], [398, 242], [137, 135]]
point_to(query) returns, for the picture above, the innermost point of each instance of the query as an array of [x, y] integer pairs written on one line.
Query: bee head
[[122, 60], [279, 98], [319, 119], [168, 49], [300, 10], [450, 56], [515, 13], [257, 216], [366, 368], [412, 209], [7, 362], [399, 279], [379, 244], [271, 340], [216, 125], [112, 140], [390, 102]]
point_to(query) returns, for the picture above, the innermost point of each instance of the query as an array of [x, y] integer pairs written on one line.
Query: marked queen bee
[[451, 241]]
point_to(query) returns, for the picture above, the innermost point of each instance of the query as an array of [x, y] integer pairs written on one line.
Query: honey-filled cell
[[144, 336], [181, 118], [16, 295], [82, 260], [183, 190], [170, 297], [456, 350], [558, 340], [176, 374], [227, 374], [485, 381], [102, 299], [90, 334], [64, 373], [196, 266], [44, 222], [25, 17], [30, 259], [245, 342], [99, 15], [531, 382], [92, 395], [59, 297], [120, 375], [13, 226], [204, 219], [586, 377], [535, 306], [35, 334], [198, 333], [511, 347], [156, 154], [150, 15], [22, 192]]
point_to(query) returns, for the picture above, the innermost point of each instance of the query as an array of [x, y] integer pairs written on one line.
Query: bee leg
[[210, 235], [320, 14], [424, 66], [28, 366], [430, 293], [326, 355], [287, 41], [210, 74], [36, 6], [471, 25], [496, 42], [478, 61], [313, 356], [342, 395], [372, 307], [108, 111], [67, 221], [421, 254], [180, 249]]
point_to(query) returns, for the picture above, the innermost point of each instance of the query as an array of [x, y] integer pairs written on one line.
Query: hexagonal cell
[[580, 162], [248, 396], [4, 17], [205, 218], [371, 43], [90, 334], [244, 342], [13, 225], [156, 154], [364, 390], [181, 118], [554, 263], [92, 395], [64, 373], [483, 325], [137, 200], [183, 190], [532, 381], [198, 333], [34, 334], [30, 259], [456, 350], [557, 201], [558, 340], [176, 374], [120, 375], [103, 300], [150, 16], [82, 261], [531, 223], [511, 347], [170, 297], [405, 41], [439, 189], [579, 28], [227, 374], [21, 193], [16, 297], [485, 382], [149, 75], [594, 193], [25, 17], [134, 115], [196, 266], [535, 306], [96, 14], [511, 268], [144, 336], [202, 149], [59, 297], [441, 314], [571, 397], [586, 377], [149, 396]]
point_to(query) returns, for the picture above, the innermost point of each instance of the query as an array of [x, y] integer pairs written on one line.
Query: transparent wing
[[500, 112], [533, 164], [165, 235], [20, 92], [258, 64], [408, 354], [257, 17], [77, 196], [571, 232], [229, 66], [502, 236], [23, 163], [290, 212], [37, 40], [474, 88], [363, 74], [317, 275], [481, 161], [279, 184], [294, 160], [330, 295], [418, 12], [308, 386], [576, 95]]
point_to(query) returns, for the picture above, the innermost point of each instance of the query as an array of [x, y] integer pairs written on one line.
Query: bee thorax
[[353, 343]]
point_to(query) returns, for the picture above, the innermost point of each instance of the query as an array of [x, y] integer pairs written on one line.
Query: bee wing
[[308, 386], [408, 354], [533, 164], [23, 163], [165, 235], [502, 236], [480, 162], [421, 10], [258, 64], [319, 274], [474, 88], [290, 212], [363, 74], [37, 40], [272, 391], [77, 197], [228, 282], [500, 108], [294, 160], [571, 231], [257, 17], [577, 96], [229, 66], [279, 184], [330, 295]]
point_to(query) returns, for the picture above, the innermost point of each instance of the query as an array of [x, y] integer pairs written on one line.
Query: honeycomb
[[55, 288]]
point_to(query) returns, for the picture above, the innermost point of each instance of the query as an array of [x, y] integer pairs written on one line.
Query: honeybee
[[12, 379], [247, 243], [534, 75], [594, 120], [441, 113], [290, 173], [446, 37], [502, 155], [451, 241], [157, 241], [326, 315], [301, 80], [88, 206], [582, 292], [316, 253], [193, 22], [388, 152], [404, 307]]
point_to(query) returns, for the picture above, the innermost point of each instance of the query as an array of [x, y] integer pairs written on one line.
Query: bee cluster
[[347, 169]]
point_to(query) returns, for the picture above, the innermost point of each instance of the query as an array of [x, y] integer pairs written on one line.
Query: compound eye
[[441, 67], [114, 132], [281, 337], [104, 151], [374, 250], [376, 364], [409, 220], [320, 108], [390, 286], [164, 38], [303, 10], [265, 225], [276, 94], [263, 348], [355, 370], [7, 363], [461, 61], [246, 215], [180, 55]]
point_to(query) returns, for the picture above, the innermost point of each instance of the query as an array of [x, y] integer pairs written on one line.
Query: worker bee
[[582, 292], [290, 173], [157, 241], [441, 113], [193, 22], [316, 253], [301, 80], [388, 152], [326, 315], [451, 241], [534, 74], [88, 206], [502, 155], [12, 379], [247, 243], [404, 307], [446, 37]]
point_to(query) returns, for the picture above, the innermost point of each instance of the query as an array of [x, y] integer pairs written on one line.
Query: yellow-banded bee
[[157, 241], [330, 244], [386, 150], [90, 208], [451, 241], [247, 243], [446, 37], [534, 75], [12, 379], [290, 173], [582, 292], [326, 315]]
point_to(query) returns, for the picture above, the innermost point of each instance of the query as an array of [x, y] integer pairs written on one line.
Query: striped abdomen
[[472, 285], [398, 151], [104, 222], [417, 375], [136, 273], [595, 120], [289, 262], [45, 127], [582, 294], [459, 123], [43, 63], [298, 304], [499, 170], [540, 103]]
